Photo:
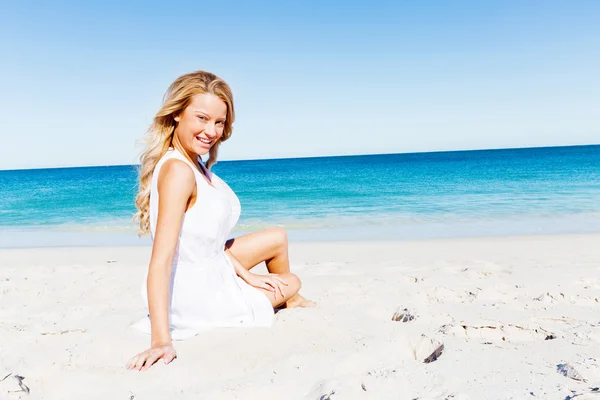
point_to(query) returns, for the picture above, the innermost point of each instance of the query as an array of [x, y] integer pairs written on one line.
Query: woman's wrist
[[244, 274], [157, 342]]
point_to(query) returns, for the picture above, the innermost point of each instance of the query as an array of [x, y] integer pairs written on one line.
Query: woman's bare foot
[[299, 301]]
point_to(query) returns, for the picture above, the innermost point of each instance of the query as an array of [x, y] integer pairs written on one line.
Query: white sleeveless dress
[[205, 291]]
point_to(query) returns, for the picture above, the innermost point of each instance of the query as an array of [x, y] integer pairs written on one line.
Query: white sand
[[64, 317]]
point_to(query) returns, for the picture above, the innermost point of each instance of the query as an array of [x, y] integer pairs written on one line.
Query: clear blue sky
[[81, 80]]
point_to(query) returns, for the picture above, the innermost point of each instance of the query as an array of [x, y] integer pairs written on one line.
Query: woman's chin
[[200, 150]]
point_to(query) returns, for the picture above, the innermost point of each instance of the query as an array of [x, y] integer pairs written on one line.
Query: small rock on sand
[[403, 315]]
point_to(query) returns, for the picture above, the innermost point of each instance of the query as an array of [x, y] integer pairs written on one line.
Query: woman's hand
[[144, 360], [270, 282]]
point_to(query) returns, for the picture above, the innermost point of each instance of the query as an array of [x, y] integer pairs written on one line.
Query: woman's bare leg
[[290, 291], [270, 246]]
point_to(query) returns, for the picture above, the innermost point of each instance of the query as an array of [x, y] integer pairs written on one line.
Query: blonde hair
[[160, 134]]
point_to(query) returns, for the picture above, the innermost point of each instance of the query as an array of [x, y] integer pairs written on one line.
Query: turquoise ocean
[[549, 190]]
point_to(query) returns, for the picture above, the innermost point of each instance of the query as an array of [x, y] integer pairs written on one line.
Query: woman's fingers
[[271, 288], [276, 285], [132, 362], [141, 360], [152, 359], [278, 288], [267, 286], [272, 283], [168, 358], [145, 360]]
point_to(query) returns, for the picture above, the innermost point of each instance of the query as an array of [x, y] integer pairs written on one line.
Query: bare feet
[[299, 301]]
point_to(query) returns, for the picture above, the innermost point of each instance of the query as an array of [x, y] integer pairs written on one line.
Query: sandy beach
[[518, 318]]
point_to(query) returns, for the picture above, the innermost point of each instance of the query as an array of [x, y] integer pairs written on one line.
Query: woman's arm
[[176, 184], [271, 282], [240, 270]]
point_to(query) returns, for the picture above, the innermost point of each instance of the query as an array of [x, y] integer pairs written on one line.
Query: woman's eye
[[202, 117], [221, 122]]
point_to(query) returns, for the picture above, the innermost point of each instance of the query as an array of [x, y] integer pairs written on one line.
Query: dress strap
[[207, 178]]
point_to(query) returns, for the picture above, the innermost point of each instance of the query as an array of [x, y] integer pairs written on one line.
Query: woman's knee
[[293, 281], [279, 237]]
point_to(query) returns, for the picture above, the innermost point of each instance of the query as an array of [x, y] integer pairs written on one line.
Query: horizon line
[[321, 156]]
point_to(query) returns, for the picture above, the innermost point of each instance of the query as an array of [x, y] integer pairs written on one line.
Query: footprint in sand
[[482, 269], [497, 332], [442, 294], [324, 390], [12, 384]]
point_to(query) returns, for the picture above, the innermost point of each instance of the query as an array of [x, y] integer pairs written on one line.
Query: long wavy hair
[[160, 134]]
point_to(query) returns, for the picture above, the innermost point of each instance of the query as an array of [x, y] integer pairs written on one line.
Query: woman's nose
[[210, 130]]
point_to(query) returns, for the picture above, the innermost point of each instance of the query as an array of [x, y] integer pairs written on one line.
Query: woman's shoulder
[[164, 158], [171, 154], [175, 173], [170, 165]]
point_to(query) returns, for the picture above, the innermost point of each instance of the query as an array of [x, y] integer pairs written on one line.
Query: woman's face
[[201, 123]]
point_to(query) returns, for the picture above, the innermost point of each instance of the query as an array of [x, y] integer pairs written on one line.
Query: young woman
[[197, 279]]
